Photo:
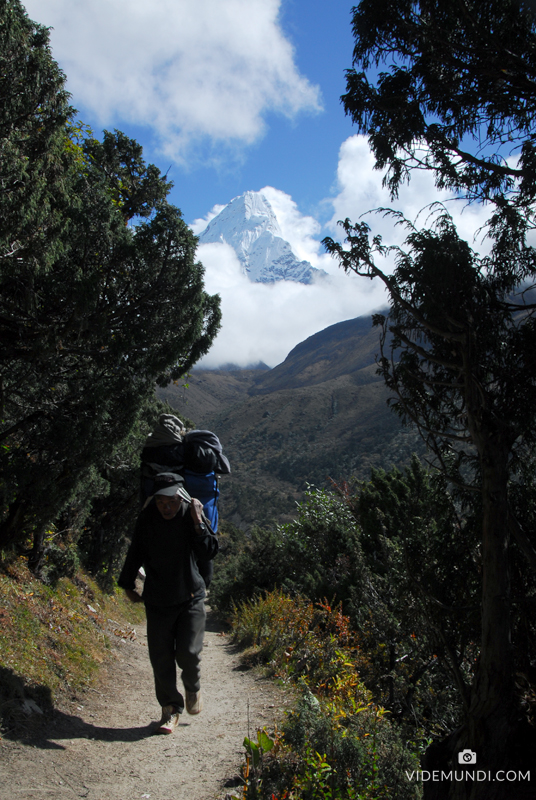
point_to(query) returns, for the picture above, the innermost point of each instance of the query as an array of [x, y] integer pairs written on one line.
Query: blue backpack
[[205, 488]]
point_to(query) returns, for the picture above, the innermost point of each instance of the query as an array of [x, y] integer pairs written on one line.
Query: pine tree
[[100, 293]]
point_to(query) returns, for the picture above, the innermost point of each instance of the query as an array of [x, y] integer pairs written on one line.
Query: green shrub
[[318, 555], [336, 743], [402, 561]]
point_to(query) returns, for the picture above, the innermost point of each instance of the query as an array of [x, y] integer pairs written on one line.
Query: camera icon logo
[[466, 757]]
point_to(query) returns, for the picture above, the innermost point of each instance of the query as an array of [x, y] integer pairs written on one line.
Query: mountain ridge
[[325, 355], [319, 416]]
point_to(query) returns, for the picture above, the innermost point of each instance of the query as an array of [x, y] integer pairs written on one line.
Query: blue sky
[[235, 95], [292, 145]]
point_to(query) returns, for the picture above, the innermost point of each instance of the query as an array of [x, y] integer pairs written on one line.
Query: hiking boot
[[194, 702], [170, 719]]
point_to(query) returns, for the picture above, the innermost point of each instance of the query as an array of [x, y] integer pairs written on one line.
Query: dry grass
[[53, 638]]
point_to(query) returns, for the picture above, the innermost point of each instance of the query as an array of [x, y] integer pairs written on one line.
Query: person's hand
[[196, 510], [133, 596]]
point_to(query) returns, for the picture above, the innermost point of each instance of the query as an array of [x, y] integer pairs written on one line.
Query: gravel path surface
[[102, 746]]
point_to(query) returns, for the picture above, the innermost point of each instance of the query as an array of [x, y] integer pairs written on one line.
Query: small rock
[[29, 706]]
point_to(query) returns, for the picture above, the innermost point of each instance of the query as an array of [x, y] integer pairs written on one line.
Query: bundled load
[[197, 456]]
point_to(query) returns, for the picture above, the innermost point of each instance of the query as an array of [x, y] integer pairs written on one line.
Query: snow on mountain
[[249, 225]]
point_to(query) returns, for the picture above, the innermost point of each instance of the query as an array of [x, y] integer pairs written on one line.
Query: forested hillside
[[321, 415]]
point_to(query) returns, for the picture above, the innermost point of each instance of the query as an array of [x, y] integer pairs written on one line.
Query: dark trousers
[[175, 637]]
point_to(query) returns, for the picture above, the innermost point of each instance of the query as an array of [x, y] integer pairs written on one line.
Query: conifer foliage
[[455, 95], [100, 293]]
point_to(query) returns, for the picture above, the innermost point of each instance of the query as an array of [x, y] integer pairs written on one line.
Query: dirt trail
[[102, 746]]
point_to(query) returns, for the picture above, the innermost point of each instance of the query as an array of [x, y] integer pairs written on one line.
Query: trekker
[[171, 534]]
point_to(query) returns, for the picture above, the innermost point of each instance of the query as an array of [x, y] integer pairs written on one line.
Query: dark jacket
[[168, 551]]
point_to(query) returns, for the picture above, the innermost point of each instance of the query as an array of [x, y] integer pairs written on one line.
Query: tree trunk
[[37, 554], [11, 527], [492, 711], [492, 718]]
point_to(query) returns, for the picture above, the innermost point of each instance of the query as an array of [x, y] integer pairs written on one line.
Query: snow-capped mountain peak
[[248, 224]]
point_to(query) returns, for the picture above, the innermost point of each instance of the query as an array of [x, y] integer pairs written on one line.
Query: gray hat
[[170, 484]]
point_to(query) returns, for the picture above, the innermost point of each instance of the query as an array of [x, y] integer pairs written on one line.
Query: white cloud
[[204, 71], [359, 190], [263, 322]]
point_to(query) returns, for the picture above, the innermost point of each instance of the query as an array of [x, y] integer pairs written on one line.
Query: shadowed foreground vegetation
[[368, 603]]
